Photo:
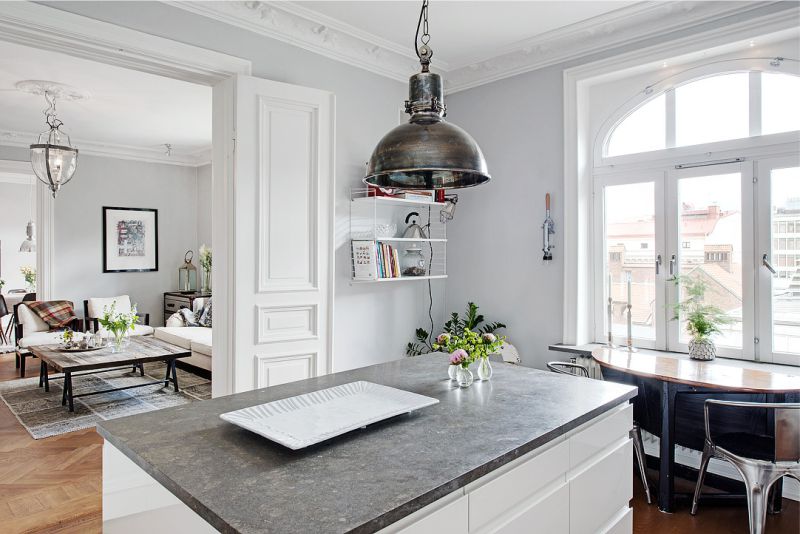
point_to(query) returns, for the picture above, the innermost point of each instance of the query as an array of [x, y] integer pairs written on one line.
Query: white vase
[[702, 349]]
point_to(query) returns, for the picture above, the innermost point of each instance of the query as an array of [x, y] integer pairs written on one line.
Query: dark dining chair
[[5, 333], [760, 459], [29, 297], [575, 369]]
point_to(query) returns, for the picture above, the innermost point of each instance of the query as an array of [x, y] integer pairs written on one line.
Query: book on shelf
[[375, 260], [418, 196]]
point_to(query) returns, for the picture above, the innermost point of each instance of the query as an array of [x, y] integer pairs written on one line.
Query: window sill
[[586, 350]]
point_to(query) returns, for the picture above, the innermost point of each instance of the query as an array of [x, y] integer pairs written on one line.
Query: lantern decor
[[52, 157], [187, 274]]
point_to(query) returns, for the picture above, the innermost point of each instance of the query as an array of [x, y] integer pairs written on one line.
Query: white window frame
[[763, 278]]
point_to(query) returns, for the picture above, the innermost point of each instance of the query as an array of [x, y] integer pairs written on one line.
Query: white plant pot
[[702, 349]]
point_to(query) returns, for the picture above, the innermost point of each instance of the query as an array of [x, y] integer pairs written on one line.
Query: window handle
[[658, 263], [672, 261], [765, 262]]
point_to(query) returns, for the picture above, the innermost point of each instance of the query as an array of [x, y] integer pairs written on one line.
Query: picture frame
[[130, 240]]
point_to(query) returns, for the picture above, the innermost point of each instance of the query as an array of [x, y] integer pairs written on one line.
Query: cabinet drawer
[[598, 493], [549, 514], [498, 496], [175, 304], [450, 518], [596, 438]]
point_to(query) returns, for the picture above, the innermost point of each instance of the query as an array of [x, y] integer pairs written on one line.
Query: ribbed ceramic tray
[[297, 422]]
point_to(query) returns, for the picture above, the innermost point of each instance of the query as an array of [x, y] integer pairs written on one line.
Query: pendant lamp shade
[[427, 152], [29, 245], [53, 160]]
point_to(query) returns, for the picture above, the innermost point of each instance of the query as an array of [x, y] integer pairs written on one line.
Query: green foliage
[[118, 323], [702, 320], [455, 326], [474, 345]]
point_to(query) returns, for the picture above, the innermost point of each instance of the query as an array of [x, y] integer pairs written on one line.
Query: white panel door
[[276, 279]]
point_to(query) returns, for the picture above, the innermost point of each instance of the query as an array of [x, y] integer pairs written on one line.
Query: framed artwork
[[130, 240]]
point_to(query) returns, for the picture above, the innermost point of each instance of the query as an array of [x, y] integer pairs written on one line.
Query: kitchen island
[[523, 452]]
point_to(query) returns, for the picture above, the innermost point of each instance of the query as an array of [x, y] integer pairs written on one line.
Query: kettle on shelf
[[414, 230]]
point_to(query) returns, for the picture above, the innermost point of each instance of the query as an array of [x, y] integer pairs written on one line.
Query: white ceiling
[[128, 112], [462, 32]]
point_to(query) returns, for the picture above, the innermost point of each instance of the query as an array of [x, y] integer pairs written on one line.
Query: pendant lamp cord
[[424, 52]]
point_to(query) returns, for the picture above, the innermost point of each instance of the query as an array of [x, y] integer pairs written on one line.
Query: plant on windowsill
[[118, 324], [702, 320]]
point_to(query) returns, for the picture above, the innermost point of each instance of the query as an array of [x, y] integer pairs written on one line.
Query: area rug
[[43, 416]]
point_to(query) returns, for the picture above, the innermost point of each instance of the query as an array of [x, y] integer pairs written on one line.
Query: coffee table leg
[[169, 370], [64, 392], [46, 377], [68, 382], [175, 376], [41, 374]]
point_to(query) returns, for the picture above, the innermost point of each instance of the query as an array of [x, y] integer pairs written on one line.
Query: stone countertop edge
[[391, 516]]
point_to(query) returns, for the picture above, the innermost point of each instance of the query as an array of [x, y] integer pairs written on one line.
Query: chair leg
[[16, 360], [707, 453], [22, 365], [756, 482], [641, 459]]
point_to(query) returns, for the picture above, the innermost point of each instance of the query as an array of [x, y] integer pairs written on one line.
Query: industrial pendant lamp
[[29, 245], [426, 152], [52, 157]]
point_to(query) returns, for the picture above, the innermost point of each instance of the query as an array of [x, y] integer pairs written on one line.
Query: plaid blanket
[[56, 313]]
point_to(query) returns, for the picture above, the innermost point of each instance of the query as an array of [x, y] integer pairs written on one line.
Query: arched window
[[710, 109]]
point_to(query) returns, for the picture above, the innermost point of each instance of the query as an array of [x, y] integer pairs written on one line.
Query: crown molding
[[109, 150], [294, 24], [307, 29], [16, 172]]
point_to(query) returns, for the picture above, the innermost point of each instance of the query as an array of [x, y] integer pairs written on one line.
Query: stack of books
[[374, 259]]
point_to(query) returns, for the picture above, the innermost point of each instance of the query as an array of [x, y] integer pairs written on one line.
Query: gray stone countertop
[[367, 479]]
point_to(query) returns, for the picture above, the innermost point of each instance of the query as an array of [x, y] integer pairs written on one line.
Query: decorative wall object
[[130, 240]]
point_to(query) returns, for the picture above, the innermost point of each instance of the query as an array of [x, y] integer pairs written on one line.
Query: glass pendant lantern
[[53, 158], [187, 274]]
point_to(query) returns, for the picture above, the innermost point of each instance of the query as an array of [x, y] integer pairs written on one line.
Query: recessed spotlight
[[664, 65], [752, 43]]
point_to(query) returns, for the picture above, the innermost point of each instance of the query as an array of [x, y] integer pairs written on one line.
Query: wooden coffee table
[[142, 349]]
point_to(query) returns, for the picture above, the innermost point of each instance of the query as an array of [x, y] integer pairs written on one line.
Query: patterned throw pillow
[[205, 316], [189, 318]]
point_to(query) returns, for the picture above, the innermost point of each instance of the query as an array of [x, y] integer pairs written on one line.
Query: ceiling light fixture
[[168, 149], [53, 158], [426, 152], [29, 244]]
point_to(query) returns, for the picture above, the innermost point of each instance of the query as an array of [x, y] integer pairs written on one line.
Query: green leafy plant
[[702, 320], [456, 325], [118, 323], [2, 284], [205, 257], [468, 346], [29, 273]]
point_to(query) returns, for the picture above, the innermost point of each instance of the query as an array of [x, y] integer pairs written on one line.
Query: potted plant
[[702, 320], [118, 324], [2, 284]]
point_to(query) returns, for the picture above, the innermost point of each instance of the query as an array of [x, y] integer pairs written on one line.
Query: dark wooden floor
[[55, 484]]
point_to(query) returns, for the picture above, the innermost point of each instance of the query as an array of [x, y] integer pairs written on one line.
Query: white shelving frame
[[368, 211]]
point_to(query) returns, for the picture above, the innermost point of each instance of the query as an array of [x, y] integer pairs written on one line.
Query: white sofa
[[194, 338]]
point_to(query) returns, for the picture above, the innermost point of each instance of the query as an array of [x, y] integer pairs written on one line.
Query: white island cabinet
[[577, 483]]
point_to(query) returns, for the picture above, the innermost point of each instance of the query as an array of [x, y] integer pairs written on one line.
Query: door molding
[[48, 28]]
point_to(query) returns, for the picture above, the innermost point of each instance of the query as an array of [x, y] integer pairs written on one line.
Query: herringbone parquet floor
[[48, 485]]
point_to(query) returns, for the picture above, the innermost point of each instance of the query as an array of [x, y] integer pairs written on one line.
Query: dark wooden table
[[674, 373], [142, 349]]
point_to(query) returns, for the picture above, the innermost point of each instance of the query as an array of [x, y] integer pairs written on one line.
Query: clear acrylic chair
[[761, 460], [575, 369]]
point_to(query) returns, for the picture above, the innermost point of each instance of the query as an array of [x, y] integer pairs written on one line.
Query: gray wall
[[16, 203], [496, 240], [204, 205], [372, 321]]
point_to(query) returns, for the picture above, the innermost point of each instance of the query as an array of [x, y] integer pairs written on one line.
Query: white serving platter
[[297, 422]]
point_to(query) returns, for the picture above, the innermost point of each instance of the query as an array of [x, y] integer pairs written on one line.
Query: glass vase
[[206, 286], [484, 369], [452, 370], [464, 377], [119, 341]]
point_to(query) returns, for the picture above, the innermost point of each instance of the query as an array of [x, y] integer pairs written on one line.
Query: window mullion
[[670, 119], [755, 103]]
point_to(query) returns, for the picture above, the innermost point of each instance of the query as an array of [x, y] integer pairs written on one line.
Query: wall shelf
[[373, 215]]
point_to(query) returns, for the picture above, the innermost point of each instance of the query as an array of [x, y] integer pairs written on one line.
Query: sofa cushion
[[184, 336], [30, 321], [40, 338], [202, 348], [97, 305]]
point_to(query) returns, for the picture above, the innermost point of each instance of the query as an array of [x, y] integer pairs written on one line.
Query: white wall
[[98, 182], [494, 247], [15, 212], [372, 322], [203, 206]]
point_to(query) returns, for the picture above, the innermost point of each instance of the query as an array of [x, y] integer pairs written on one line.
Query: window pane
[[785, 209], [780, 105], [642, 130], [630, 243], [712, 109], [711, 221]]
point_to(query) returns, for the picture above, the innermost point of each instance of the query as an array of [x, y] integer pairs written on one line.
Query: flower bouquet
[[466, 348], [118, 324]]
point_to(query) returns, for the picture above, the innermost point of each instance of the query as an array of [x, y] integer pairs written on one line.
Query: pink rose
[[489, 338], [443, 339], [459, 356]]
